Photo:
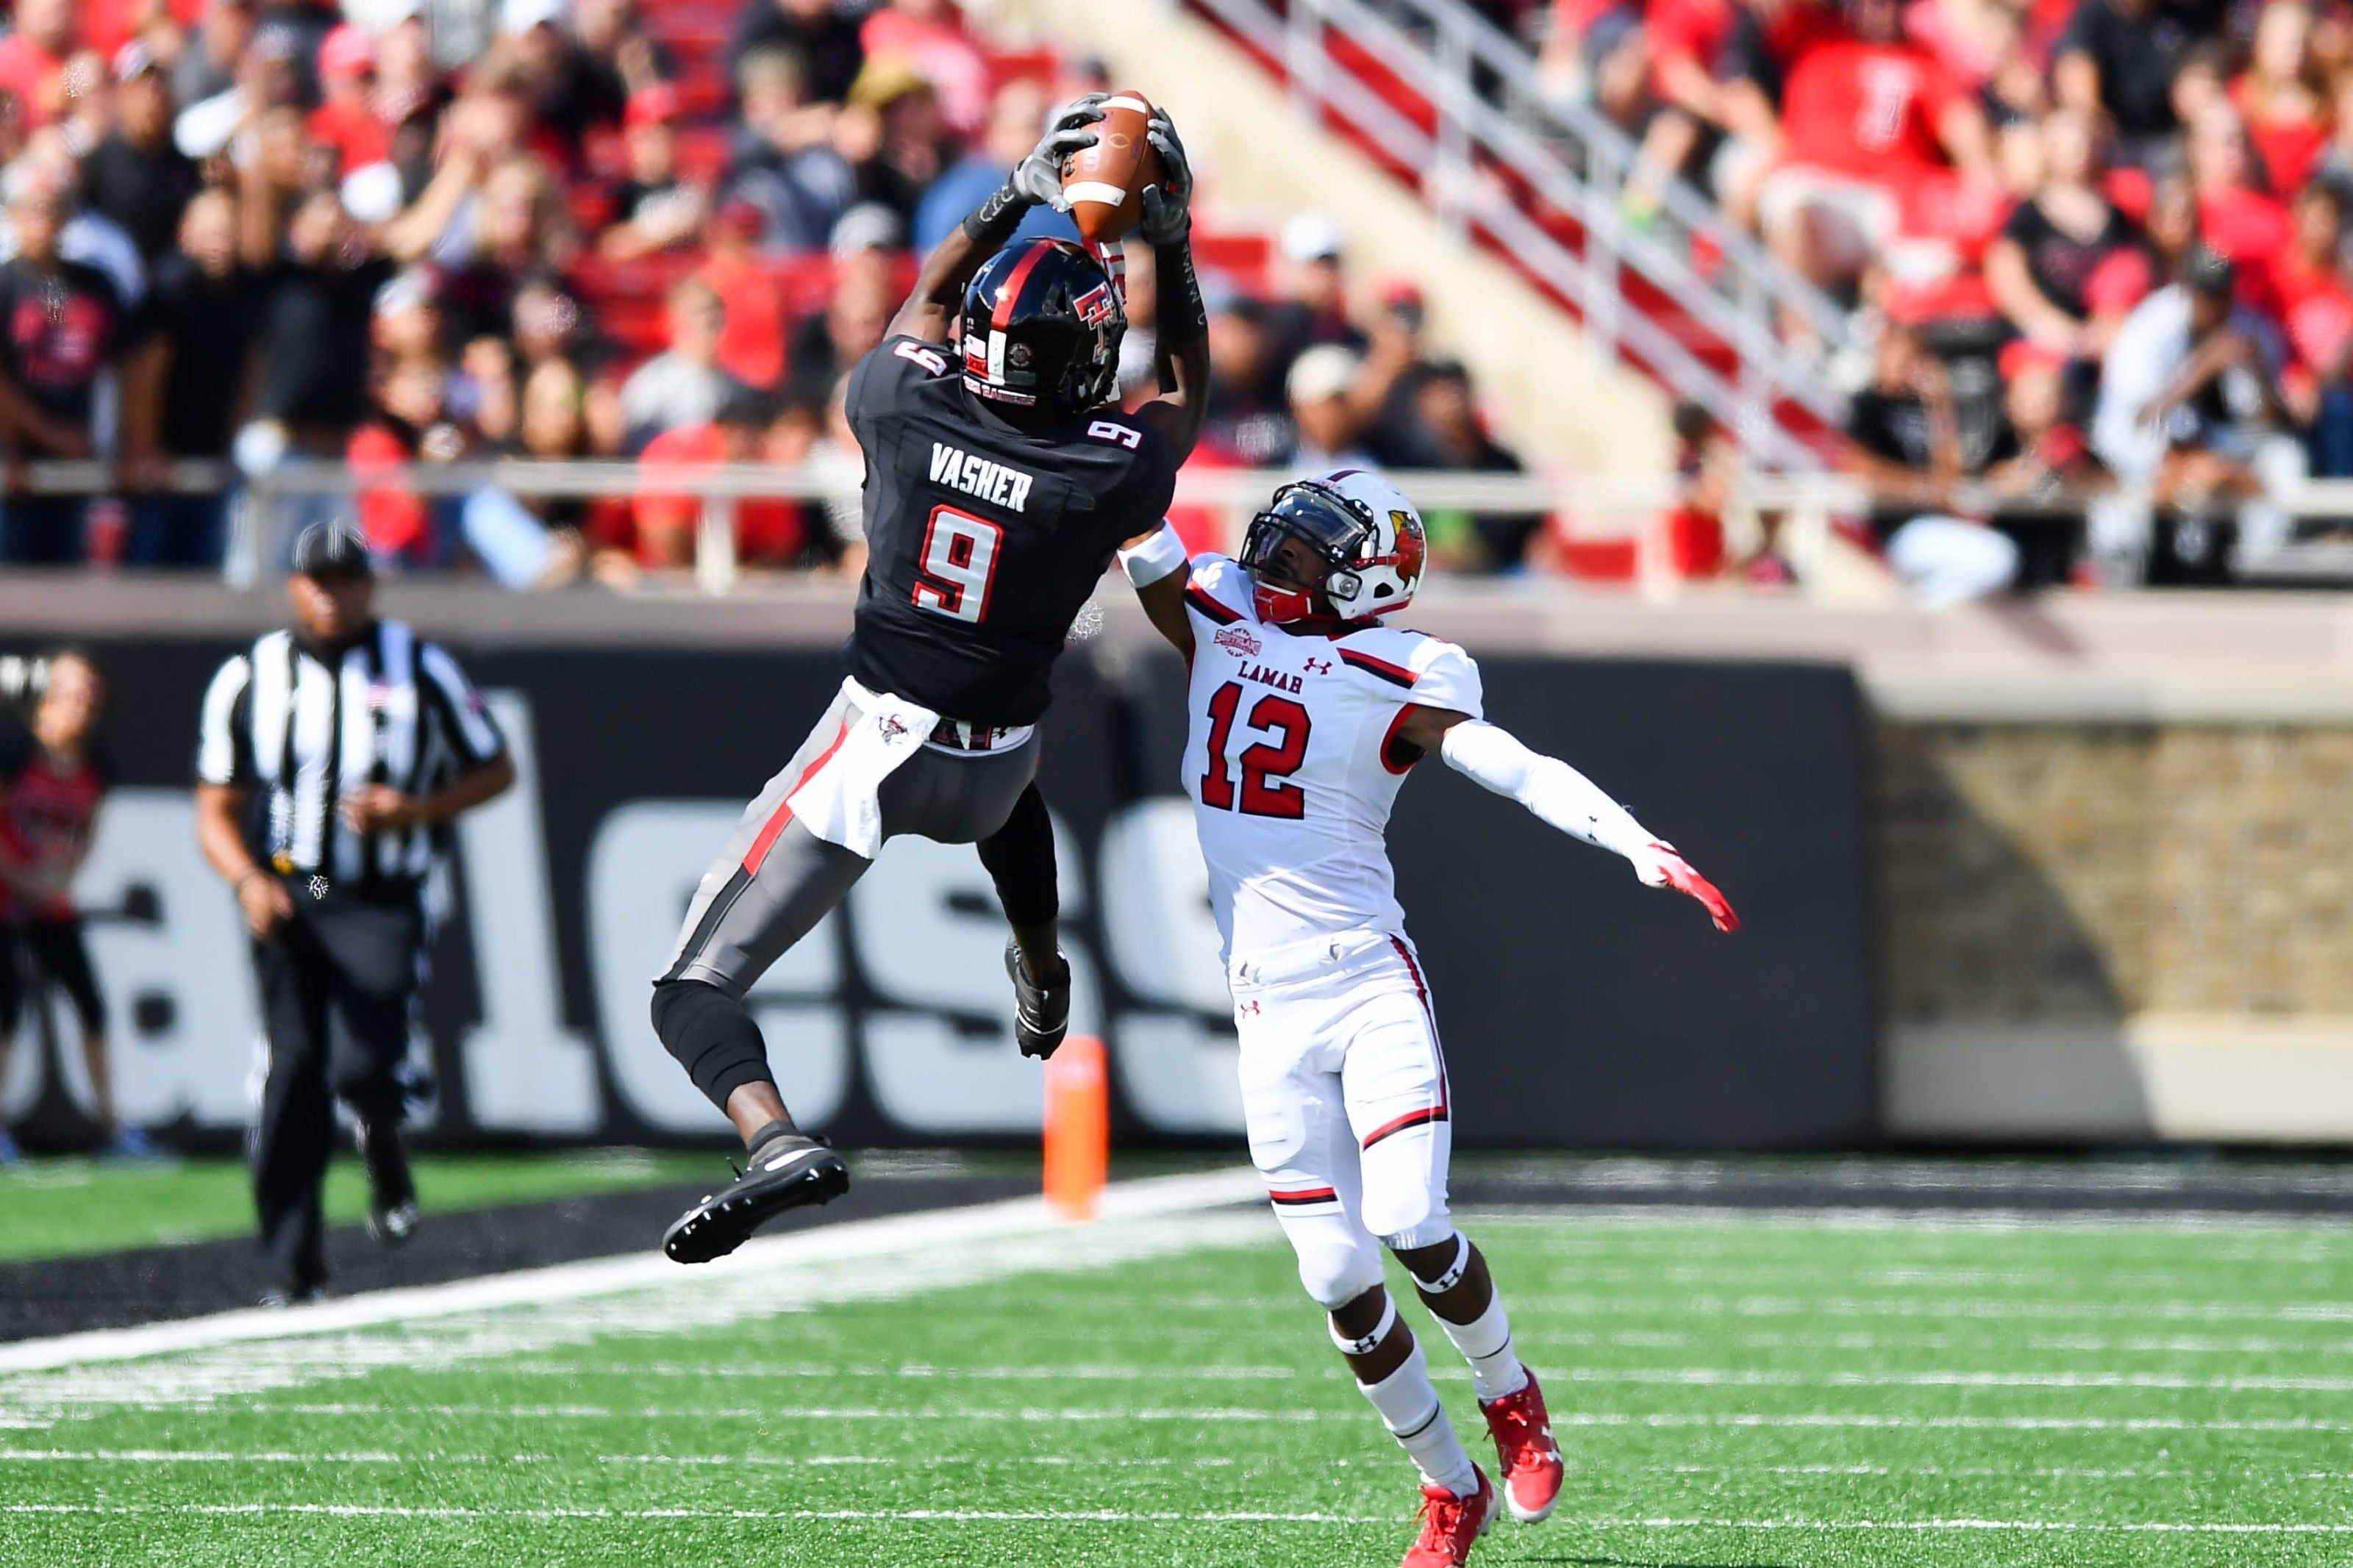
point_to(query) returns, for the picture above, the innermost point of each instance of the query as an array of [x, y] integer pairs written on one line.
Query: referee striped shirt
[[302, 732]]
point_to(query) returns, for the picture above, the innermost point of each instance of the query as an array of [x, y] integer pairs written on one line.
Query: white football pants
[[1345, 1097]]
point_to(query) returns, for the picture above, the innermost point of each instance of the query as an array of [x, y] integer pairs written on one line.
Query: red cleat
[[1452, 1525], [1532, 1467]]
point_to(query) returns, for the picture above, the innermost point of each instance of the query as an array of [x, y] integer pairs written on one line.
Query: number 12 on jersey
[[1263, 764], [959, 564]]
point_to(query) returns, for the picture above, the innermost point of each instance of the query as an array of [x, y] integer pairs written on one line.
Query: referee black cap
[[332, 548]]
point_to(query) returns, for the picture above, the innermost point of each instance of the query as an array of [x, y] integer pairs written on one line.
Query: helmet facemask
[[1322, 520], [1367, 534]]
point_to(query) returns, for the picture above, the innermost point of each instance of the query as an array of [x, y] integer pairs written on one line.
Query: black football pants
[[337, 981]]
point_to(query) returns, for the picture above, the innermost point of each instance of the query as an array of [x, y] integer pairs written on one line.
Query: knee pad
[[712, 1037], [1405, 1190], [1406, 1215], [1338, 1261]]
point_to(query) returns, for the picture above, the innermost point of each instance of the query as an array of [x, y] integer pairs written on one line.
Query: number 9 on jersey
[[959, 564]]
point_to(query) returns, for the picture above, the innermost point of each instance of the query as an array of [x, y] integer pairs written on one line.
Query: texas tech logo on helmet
[[1042, 324]]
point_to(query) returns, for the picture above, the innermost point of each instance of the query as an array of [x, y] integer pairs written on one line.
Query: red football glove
[[1659, 865]]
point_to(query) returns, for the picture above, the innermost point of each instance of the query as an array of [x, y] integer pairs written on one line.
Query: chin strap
[[1279, 606]]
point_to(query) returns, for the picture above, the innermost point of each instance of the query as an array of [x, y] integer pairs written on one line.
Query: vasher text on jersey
[[996, 483]]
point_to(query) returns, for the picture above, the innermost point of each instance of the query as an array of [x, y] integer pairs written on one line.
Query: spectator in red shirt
[[2281, 95], [752, 341], [52, 781], [2315, 313], [767, 533], [346, 119], [33, 59], [2236, 216], [1866, 120], [1683, 39], [409, 426]]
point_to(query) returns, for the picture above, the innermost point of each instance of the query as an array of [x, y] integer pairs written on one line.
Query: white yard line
[[429, 1457], [2325, 1227], [890, 1516], [1219, 1415], [1662, 1376], [1998, 1472], [238, 1354], [1132, 1516], [1550, 1304], [1741, 1377], [426, 1457]]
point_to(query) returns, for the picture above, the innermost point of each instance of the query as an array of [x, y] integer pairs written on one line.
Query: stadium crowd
[[240, 230], [2093, 240]]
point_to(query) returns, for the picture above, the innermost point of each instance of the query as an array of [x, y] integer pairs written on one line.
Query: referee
[[330, 759]]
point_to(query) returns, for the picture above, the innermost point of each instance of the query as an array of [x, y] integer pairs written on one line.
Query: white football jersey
[[1293, 761]]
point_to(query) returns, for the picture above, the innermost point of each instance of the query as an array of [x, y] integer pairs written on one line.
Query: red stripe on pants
[[1422, 991], [784, 811]]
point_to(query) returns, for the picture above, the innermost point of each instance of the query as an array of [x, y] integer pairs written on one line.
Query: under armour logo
[[1248, 1009], [1319, 667], [893, 727]]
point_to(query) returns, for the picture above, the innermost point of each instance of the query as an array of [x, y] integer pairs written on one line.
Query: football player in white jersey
[[1306, 713]]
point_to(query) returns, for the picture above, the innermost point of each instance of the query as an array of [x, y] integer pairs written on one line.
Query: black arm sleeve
[[991, 223], [1178, 314]]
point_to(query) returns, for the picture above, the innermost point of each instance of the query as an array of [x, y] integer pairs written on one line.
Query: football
[[1106, 182]]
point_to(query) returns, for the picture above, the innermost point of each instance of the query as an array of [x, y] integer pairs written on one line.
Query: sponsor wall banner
[[1579, 1008]]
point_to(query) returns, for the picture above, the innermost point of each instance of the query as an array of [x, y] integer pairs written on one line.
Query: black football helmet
[[1041, 327]]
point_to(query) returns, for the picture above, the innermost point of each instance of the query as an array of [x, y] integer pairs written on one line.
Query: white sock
[[1410, 1407], [1485, 1343]]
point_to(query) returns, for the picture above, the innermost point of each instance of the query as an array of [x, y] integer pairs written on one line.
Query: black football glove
[[1168, 206]]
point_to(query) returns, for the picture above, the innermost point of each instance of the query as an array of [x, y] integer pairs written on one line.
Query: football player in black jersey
[[1001, 479]]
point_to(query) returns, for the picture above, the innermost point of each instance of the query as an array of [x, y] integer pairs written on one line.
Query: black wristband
[[991, 223]]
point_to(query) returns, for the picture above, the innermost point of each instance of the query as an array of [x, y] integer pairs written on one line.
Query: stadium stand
[[614, 220]]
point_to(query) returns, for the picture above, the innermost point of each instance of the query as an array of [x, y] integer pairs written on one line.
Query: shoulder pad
[[1420, 668], [1219, 591]]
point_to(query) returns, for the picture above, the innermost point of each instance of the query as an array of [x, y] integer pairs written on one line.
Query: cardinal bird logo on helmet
[[1412, 548]]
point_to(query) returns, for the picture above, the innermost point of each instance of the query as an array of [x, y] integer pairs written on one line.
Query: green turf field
[[56, 1207], [1729, 1390]]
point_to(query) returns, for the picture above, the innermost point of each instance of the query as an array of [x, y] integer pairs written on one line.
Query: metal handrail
[[1523, 140], [1812, 502]]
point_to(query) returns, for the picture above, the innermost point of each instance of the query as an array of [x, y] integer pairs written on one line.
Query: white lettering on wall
[[525, 1072]]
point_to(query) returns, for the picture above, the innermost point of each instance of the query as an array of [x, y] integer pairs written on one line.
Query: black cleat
[[392, 1193], [1041, 1014], [280, 1296], [789, 1170]]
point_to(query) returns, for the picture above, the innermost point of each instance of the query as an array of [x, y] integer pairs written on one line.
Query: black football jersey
[[984, 541]]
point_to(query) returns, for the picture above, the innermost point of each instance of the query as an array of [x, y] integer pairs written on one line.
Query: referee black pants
[[336, 983]]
